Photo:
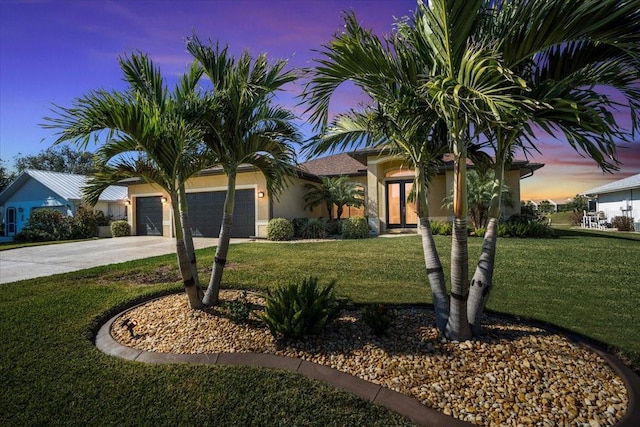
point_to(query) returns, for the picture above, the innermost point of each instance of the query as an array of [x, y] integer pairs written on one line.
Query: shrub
[[298, 225], [86, 223], [441, 228], [279, 229], [479, 232], [315, 229], [378, 317], [43, 225], [237, 310], [524, 230], [575, 218], [334, 226], [120, 228], [622, 223], [355, 227], [301, 309]]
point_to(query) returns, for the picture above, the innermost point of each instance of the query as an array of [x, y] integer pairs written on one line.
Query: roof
[[627, 183], [337, 164], [66, 185], [354, 164]]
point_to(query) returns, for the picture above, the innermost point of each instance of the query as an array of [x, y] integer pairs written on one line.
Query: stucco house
[[34, 189], [386, 179], [617, 198]]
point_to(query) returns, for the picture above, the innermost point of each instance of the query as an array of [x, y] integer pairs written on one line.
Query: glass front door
[[400, 212]]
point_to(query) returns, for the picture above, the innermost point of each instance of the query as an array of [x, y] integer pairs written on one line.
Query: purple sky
[[55, 51]]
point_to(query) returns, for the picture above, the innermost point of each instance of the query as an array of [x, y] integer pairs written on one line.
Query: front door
[[400, 212], [11, 221]]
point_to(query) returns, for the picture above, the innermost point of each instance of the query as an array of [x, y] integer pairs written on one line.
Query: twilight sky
[[52, 51]]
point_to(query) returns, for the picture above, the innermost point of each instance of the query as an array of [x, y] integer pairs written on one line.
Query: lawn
[[52, 374]]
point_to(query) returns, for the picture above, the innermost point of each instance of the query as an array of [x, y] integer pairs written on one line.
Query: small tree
[[338, 191], [58, 159]]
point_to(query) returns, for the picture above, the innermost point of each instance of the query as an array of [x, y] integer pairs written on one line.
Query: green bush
[[441, 228], [622, 223], [298, 225], [120, 228], [524, 230], [334, 226], [86, 223], [355, 227], [315, 229], [280, 229], [479, 232], [378, 317], [238, 310], [301, 309], [44, 225]]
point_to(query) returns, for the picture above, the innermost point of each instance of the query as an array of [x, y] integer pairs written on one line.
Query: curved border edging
[[400, 403]]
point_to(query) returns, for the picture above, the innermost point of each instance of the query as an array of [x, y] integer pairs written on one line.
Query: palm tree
[[147, 136], [563, 64], [338, 191], [244, 127]]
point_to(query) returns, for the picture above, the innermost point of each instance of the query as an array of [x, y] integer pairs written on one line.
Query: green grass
[[51, 373]]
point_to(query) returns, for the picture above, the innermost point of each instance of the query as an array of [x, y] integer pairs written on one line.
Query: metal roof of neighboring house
[[627, 183], [66, 185]]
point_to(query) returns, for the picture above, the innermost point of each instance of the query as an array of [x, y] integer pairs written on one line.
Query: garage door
[[205, 213], [148, 216]]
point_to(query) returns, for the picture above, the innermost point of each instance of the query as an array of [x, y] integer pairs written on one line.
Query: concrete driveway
[[39, 261]]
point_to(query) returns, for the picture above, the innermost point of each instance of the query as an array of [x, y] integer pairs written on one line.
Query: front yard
[[52, 374]]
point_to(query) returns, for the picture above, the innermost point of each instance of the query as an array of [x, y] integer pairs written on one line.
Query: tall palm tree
[[564, 50], [244, 126], [147, 136], [398, 121]]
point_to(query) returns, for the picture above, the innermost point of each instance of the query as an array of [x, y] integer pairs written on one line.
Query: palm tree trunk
[[435, 272], [482, 280], [188, 239], [195, 302], [211, 297], [458, 326]]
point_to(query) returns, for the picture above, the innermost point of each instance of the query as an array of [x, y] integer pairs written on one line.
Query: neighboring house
[[617, 198], [386, 179], [34, 189]]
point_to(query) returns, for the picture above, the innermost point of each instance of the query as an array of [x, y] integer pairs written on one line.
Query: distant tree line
[[55, 159]]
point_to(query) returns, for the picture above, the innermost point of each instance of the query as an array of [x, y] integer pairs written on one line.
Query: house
[[617, 198], [34, 189], [386, 179]]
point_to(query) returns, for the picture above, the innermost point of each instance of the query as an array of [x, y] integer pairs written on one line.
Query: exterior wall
[[620, 203], [512, 180], [33, 195], [289, 205], [113, 210]]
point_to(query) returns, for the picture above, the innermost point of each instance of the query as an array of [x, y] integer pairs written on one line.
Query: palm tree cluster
[[473, 78], [168, 137], [467, 77], [335, 191]]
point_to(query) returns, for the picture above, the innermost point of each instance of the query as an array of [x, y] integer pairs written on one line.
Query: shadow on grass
[[580, 232]]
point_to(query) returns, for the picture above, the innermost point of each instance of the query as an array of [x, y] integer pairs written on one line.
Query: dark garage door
[[205, 213], [148, 216]]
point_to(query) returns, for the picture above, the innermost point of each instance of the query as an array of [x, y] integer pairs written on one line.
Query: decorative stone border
[[397, 402]]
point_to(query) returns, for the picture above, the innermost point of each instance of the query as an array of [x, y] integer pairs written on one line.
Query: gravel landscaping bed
[[515, 375]]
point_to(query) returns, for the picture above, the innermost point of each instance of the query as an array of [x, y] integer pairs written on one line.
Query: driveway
[[39, 261]]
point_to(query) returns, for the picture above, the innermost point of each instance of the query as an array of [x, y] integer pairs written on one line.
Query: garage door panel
[[148, 216], [206, 209]]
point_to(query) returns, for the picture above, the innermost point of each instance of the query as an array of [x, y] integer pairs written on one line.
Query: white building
[[618, 198]]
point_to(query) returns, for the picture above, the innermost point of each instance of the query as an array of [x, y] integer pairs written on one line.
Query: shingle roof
[[337, 164], [627, 183], [66, 185]]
